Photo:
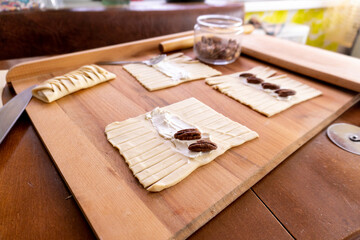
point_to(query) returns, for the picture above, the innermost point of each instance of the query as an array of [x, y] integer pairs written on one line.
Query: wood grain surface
[[35, 203], [20, 200], [70, 61], [316, 196], [327, 66], [74, 225], [114, 202], [331, 67], [245, 218], [242, 219]]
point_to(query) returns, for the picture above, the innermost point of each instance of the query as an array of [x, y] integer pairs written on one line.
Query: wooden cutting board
[[115, 204]]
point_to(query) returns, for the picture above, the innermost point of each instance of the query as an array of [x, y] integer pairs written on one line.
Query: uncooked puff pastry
[[258, 99], [154, 161], [173, 70], [84, 77]]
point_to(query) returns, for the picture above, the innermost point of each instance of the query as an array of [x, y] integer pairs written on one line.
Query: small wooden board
[[324, 65], [113, 201]]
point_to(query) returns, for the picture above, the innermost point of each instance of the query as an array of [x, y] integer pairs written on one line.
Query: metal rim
[[329, 133]]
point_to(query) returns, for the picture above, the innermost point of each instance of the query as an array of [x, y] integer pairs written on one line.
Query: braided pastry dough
[[84, 77]]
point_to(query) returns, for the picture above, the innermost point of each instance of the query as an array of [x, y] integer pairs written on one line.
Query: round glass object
[[217, 39]]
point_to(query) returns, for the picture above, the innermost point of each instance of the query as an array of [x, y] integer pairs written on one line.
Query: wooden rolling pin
[[188, 41]]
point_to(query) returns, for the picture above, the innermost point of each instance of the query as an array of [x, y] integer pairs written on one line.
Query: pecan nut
[[254, 80], [271, 86], [188, 134], [285, 92], [202, 146], [246, 75]]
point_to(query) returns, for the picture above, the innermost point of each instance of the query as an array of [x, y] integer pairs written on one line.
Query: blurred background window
[[331, 25], [16, 5]]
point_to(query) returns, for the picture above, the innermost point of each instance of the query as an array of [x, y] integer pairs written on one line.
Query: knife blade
[[12, 110]]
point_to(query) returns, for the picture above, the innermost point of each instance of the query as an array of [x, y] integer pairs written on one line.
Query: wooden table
[[314, 194]]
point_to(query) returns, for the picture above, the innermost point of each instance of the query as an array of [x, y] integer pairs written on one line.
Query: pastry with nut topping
[[167, 144], [260, 89]]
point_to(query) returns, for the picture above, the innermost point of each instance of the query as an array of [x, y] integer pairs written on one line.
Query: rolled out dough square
[[258, 99], [154, 160], [153, 79]]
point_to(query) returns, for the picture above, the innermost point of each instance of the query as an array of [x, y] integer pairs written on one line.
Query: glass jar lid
[[220, 21]]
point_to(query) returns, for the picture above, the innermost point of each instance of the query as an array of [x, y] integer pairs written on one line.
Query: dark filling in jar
[[217, 48]]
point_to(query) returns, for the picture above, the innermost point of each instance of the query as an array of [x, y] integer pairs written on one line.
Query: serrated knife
[[12, 110]]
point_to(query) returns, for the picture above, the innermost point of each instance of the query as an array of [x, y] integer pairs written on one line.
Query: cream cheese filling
[[167, 124], [171, 70]]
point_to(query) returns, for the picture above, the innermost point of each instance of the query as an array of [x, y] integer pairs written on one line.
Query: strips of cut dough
[[84, 77], [154, 160], [258, 99], [153, 79]]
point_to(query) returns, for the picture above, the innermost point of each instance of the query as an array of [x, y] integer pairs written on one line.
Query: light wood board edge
[[74, 60], [330, 67], [240, 189]]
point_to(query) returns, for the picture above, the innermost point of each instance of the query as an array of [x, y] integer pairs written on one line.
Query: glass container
[[217, 39]]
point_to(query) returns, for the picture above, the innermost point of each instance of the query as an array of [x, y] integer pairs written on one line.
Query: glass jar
[[217, 39]]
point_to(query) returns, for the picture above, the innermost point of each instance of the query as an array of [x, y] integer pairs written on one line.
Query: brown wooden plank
[[245, 218], [334, 68], [77, 59], [34, 202], [82, 163], [20, 201], [331, 67], [96, 173], [315, 192]]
